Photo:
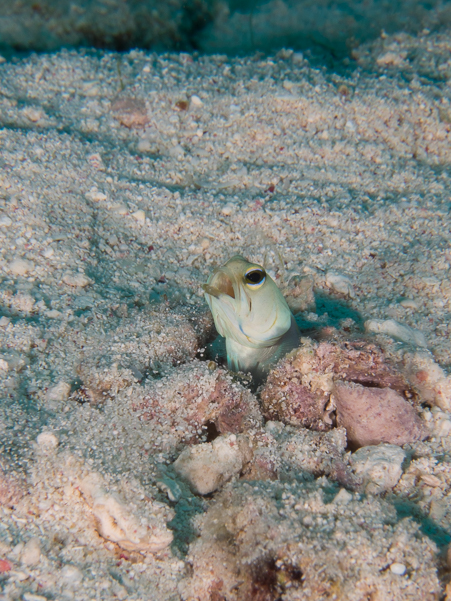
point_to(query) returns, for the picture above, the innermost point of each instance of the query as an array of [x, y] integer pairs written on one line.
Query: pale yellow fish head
[[246, 304]]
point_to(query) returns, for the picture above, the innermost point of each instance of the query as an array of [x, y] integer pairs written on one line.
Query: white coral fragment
[[379, 466], [396, 330], [340, 283], [117, 523], [429, 379], [206, 467], [441, 426]]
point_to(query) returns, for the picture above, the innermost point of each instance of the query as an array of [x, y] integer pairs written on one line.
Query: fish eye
[[255, 277]]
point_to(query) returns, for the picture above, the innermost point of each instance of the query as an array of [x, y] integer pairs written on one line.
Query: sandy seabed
[[124, 180]]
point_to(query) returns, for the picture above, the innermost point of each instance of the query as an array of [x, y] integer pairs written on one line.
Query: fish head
[[246, 304]]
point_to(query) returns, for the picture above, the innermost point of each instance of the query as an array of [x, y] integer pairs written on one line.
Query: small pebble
[[95, 160], [431, 281], [95, 195], [228, 210], [408, 303], [49, 252], [389, 59], [20, 266], [398, 568], [144, 145], [196, 101], [90, 89], [47, 440], [181, 105], [4, 321], [139, 216], [33, 597], [31, 553], [343, 496], [15, 361], [77, 280], [130, 112], [33, 115], [5, 221], [177, 152], [21, 576], [340, 284], [120, 209], [71, 575], [60, 392]]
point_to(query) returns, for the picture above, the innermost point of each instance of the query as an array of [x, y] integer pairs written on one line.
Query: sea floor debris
[[112, 216]]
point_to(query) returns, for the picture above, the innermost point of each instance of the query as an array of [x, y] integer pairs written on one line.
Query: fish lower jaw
[[240, 357], [258, 361]]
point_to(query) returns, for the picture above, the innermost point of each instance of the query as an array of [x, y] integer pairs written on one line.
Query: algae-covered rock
[[298, 389]]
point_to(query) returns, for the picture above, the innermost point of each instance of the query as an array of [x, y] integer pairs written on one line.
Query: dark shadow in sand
[[405, 508], [331, 311], [185, 506]]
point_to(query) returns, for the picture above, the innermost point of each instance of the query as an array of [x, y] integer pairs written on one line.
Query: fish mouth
[[220, 284], [210, 290]]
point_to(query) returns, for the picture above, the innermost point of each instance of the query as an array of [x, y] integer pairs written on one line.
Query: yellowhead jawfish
[[250, 312]]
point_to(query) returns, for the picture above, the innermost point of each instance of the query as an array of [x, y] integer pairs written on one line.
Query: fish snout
[[219, 284]]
